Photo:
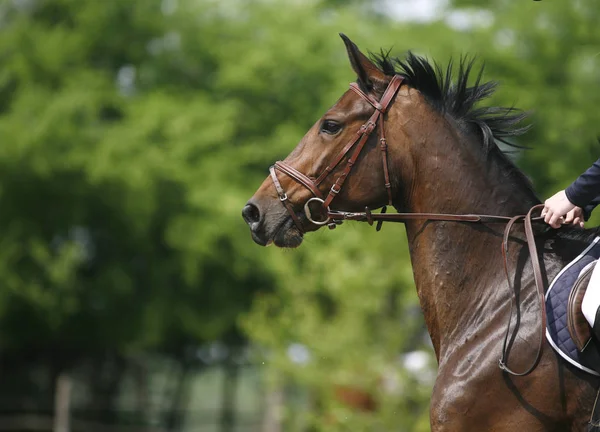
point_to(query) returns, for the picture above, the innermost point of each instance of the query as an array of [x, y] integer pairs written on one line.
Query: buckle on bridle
[[309, 215]]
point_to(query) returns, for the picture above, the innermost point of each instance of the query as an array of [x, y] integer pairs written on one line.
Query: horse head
[[345, 147]]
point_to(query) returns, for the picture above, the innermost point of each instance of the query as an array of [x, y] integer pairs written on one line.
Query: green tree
[[134, 131]]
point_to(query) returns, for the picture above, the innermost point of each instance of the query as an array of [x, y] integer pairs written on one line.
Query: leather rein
[[334, 218]]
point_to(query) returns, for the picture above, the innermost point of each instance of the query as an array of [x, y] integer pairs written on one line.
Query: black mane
[[456, 98]]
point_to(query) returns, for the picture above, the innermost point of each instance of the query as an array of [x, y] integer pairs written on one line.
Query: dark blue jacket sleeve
[[587, 210], [585, 191]]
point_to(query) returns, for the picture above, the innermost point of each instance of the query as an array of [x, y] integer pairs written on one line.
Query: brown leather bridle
[[358, 143], [336, 217]]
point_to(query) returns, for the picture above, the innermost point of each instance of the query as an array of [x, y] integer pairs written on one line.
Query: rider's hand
[[575, 217], [555, 208]]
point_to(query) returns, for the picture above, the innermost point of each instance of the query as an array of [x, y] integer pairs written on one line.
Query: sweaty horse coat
[[443, 158]]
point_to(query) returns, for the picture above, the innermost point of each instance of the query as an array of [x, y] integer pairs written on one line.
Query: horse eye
[[330, 127]]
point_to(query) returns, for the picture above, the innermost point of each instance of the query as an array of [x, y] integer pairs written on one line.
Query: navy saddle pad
[[557, 298]]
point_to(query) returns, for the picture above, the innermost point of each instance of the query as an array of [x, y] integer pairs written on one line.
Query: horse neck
[[458, 266]]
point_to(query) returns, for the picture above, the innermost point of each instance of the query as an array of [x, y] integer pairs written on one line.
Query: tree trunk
[[273, 409], [230, 383], [142, 401], [176, 415], [62, 403]]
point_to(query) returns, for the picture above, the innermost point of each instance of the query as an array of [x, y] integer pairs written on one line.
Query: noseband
[[358, 143]]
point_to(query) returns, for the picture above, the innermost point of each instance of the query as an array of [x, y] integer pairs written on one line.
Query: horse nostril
[[251, 215]]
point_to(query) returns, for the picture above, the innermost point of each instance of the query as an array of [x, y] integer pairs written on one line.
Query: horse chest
[[472, 394]]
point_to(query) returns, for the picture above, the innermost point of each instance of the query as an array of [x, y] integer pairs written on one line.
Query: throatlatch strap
[[386, 173]]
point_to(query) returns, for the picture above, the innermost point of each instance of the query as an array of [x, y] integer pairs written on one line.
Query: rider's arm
[[587, 210], [586, 189]]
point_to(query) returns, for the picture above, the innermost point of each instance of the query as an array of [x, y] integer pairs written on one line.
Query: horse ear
[[368, 74]]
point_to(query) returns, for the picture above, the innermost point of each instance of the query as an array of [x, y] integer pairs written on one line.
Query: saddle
[[578, 327], [581, 332]]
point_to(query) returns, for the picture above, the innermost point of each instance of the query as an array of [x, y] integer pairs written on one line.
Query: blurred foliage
[[134, 131]]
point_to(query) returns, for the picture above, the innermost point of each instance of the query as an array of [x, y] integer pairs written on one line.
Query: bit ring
[[308, 213]]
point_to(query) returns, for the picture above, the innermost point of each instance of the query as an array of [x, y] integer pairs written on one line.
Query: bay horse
[[433, 150]]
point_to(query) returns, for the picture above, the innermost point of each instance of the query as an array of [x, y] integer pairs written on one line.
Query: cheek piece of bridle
[[332, 218], [357, 142]]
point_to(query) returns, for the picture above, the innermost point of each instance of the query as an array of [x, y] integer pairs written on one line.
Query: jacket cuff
[[573, 198], [587, 211]]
